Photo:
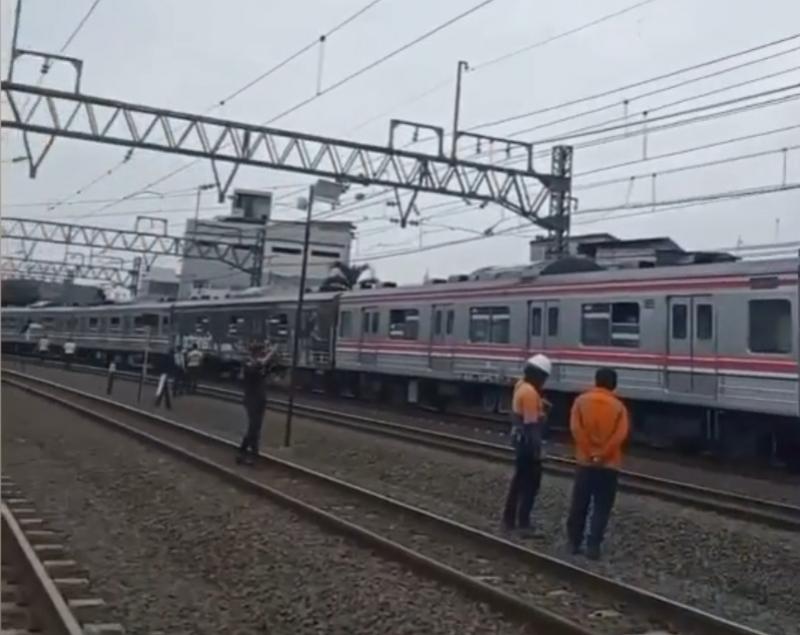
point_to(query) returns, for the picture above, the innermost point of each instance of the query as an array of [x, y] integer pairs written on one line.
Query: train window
[[770, 326], [165, 320], [346, 324], [94, 323], [376, 321], [278, 327], [236, 325], [604, 324], [451, 318], [625, 324], [113, 324], [704, 322], [595, 323], [437, 322], [201, 325], [679, 321], [536, 321], [489, 324], [552, 321], [365, 322], [404, 324]]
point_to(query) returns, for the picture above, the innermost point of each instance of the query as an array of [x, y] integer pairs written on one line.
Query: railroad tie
[[67, 575]]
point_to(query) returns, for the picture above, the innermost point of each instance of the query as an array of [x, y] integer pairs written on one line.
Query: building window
[[536, 321], [770, 326], [489, 324], [346, 324], [552, 321], [610, 324], [289, 251], [321, 253], [705, 321], [404, 324]]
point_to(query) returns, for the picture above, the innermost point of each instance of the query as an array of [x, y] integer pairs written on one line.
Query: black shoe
[[249, 460], [575, 549], [593, 552], [240, 459]]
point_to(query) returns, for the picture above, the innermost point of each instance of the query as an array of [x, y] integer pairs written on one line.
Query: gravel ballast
[[737, 569], [177, 551]]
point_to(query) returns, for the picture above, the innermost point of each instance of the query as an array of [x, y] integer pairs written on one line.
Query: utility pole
[[14, 41], [462, 66]]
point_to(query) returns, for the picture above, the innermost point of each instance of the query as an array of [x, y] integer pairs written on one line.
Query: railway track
[[41, 592], [538, 590], [767, 512]]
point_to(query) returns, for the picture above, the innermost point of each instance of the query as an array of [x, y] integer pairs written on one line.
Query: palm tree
[[344, 277]]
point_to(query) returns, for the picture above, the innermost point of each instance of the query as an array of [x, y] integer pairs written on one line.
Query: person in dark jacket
[[254, 380]]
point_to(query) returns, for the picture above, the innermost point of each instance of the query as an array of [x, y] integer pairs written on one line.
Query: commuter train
[[708, 355]]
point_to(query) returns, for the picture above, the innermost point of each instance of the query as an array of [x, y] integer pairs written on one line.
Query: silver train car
[[706, 354], [222, 329]]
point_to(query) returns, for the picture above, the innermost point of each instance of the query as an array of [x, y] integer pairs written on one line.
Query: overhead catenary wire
[[656, 78], [337, 84], [339, 26]]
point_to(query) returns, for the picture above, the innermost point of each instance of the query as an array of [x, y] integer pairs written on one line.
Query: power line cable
[[79, 27], [677, 102], [236, 93], [637, 84], [337, 84]]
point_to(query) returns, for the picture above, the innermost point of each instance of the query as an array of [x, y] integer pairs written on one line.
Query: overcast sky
[[188, 54]]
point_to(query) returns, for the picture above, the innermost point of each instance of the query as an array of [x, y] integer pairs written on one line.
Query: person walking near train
[[194, 361], [529, 412], [599, 424], [254, 380]]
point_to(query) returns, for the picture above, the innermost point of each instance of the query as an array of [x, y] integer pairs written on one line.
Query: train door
[[543, 327], [691, 365], [440, 352]]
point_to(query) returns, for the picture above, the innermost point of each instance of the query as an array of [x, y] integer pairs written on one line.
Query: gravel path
[[178, 552], [733, 568]]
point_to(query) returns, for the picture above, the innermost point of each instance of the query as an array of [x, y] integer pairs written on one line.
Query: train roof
[[552, 273], [178, 304]]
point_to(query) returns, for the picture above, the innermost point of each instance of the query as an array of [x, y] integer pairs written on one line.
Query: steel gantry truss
[[18, 267], [78, 116], [236, 251]]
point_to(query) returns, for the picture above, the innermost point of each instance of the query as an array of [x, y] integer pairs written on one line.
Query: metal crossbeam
[[78, 116], [234, 251], [15, 267]]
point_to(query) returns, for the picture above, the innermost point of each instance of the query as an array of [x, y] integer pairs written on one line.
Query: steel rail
[[47, 609], [749, 508], [672, 612]]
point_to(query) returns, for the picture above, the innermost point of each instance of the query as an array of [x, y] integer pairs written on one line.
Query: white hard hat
[[542, 362]]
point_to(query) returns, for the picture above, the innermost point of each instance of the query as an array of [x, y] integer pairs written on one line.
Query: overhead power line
[[337, 84], [578, 29], [236, 93], [628, 116], [637, 84], [78, 28], [298, 53]]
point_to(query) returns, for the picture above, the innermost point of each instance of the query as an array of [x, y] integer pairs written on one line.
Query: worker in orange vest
[[529, 413], [599, 425]]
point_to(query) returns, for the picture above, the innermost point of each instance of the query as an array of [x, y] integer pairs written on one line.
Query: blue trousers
[[594, 487]]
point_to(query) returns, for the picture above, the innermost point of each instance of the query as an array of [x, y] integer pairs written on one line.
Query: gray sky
[[188, 54]]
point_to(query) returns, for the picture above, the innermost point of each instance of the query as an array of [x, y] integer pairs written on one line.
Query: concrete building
[[158, 283], [283, 249]]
